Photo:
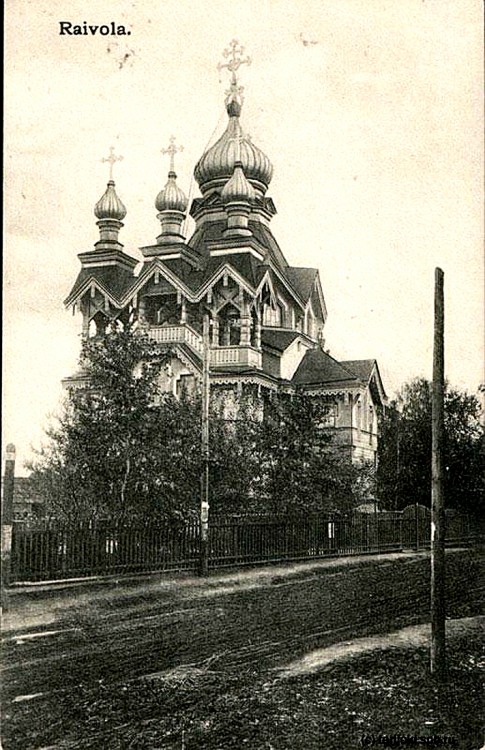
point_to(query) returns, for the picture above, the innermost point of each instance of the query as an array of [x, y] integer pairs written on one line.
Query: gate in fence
[[50, 551]]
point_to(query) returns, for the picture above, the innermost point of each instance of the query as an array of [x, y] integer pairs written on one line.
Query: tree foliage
[[123, 450], [404, 467]]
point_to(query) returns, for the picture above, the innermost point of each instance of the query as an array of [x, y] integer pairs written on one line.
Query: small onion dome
[[171, 198], [109, 205], [238, 188], [216, 165]]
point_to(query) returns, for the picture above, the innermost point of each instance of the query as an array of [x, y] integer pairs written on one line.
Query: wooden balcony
[[176, 334], [235, 356], [220, 356]]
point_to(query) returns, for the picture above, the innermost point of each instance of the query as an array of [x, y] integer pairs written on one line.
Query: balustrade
[[235, 355], [176, 334], [220, 356]]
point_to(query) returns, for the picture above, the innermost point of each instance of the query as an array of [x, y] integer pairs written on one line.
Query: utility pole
[[438, 640], [204, 482], [7, 518]]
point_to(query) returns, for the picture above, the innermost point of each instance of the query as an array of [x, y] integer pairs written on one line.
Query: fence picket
[[51, 550]]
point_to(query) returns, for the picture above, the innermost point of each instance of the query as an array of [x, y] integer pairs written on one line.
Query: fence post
[[7, 518], [416, 527], [376, 521], [204, 485]]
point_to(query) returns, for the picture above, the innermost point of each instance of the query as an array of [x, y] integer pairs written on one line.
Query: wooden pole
[[204, 502], [7, 518], [438, 642]]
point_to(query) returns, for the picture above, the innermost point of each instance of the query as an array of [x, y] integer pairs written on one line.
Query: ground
[[329, 654]]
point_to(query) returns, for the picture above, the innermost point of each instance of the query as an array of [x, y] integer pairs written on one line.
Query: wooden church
[[266, 317]]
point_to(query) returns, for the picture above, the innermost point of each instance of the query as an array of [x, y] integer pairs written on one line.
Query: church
[[264, 318]]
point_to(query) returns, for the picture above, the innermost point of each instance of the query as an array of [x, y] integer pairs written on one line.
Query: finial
[[235, 51], [172, 150], [112, 159]]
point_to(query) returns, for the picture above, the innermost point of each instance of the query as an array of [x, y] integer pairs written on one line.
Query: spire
[[171, 202], [172, 150], [217, 163], [234, 96], [110, 211], [111, 159]]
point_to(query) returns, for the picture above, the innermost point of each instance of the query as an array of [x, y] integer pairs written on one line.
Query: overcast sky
[[370, 110]]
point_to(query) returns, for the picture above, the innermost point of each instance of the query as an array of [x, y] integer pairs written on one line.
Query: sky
[[370, 111]]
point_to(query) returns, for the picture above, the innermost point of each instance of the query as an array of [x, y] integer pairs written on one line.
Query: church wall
[[291, 358], [271, 364]]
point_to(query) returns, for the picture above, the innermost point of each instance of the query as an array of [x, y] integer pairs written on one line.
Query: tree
[[297, 469], [121, 450], [404, 465]]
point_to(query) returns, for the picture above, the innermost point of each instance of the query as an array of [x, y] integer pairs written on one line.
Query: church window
[[229, 326], [359, 415], [272, 315]]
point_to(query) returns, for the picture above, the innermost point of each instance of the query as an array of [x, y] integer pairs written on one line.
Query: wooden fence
[[51, 551]]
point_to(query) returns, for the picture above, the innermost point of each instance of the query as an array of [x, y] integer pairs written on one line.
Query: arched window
[[97, 325], [229, 326], [272, 315]]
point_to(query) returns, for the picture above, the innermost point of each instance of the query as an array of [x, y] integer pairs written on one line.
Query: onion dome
[[238, 188], [109, 205], [216, 165], [171, 198]]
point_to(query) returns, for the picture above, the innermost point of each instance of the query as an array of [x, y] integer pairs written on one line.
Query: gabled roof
[[279, 340], [190, 276], [114, 279], [244, 263], [361, 367], [319, 367]]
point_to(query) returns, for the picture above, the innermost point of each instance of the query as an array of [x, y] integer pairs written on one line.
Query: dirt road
[[263, 617]]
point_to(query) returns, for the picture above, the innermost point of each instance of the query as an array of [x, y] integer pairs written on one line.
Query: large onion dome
[[171, 198], [216, 165], [109, 205], [238, 188]]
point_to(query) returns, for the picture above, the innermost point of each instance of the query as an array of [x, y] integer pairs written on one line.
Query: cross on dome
[[172, 150], [235, 50], [111, 159]]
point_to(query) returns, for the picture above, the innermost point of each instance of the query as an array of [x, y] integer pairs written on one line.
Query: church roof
[[115, 279], [363, 368], [109, 205], [302, 280], [171, 198], [212, 231], [216, 165], [367, 370], [319, 367], [266, 238], [279, 340]]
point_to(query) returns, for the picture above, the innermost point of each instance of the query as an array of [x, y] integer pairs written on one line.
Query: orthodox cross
[[235, 52], [112, 159], [172, 150]]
